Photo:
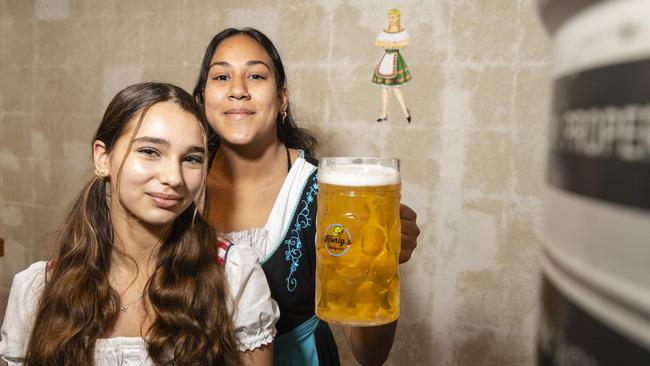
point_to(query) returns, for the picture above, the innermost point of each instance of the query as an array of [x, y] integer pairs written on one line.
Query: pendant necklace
[[126, 306]]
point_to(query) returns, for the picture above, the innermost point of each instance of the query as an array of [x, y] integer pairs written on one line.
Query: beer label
[[600, 134], [568, 335], [337, 239]]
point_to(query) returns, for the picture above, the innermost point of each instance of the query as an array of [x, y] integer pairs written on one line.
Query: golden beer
[[358, 241]]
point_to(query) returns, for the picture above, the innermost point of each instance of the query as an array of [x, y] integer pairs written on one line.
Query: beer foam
[[359, 176]]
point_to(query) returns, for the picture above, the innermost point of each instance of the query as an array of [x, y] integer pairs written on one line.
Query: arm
[[261, 356], [371, 345], [410, 232], [391, 45]]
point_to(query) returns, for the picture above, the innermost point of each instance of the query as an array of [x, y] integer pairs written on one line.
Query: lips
[[239, 113], [164, 200]]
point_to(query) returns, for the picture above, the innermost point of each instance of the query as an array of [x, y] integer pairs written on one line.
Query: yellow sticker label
[[337, 239]]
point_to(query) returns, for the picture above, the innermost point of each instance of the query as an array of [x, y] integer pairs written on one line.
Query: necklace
[[126, 306]]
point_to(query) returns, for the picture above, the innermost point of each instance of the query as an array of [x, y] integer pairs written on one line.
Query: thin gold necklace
[[124, 308]]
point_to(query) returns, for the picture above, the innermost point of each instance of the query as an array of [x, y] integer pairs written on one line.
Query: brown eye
[[149, 152], [194, 159], [220, 77]]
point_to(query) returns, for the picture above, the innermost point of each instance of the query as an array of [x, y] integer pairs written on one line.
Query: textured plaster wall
[[472, 159]]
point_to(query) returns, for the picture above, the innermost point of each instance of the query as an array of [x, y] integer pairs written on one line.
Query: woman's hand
[[410, 232]]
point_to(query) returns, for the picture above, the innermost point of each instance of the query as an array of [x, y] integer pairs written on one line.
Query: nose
[[171, 174], [238, 89]]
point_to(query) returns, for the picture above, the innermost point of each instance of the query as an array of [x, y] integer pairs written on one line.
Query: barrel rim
[[575, 289], [554, 13]]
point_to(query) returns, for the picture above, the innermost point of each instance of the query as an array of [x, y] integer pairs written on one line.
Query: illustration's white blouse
[[397, 37], [255, 313]]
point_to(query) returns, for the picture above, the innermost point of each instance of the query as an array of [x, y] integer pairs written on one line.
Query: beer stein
[[358, 241]]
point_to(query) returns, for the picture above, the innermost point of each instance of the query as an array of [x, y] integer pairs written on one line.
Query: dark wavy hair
[[191, 324], [288, 132]]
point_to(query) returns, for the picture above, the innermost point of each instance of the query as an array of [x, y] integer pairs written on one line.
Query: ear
[[283, 96], [101, 158]]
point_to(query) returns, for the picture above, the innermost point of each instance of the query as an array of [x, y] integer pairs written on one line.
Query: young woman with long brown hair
[[137, 275]]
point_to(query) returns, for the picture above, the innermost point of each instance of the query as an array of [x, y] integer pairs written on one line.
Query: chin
[[164, 218], [245, 135], [238, 140]]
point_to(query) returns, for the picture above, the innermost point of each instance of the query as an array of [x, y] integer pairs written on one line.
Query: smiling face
[[159, 175], [242, 101]]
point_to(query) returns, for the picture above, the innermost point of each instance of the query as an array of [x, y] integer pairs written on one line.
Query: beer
[[358, 241]]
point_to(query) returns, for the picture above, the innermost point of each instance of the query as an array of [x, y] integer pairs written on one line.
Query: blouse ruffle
[[397, 37], [257, 238], [126, 351]]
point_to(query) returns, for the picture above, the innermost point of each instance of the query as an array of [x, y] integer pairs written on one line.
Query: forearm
[[261, 356], [371, 345]]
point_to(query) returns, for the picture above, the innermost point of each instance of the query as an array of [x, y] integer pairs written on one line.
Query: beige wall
[[472, 158]]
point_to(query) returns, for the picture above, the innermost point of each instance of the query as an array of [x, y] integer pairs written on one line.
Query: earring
[[284, 116], [100, 173]]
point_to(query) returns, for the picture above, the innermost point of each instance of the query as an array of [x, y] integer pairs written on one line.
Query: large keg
[[595, 305]]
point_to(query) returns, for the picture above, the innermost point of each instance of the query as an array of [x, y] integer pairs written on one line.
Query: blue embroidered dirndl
[[302, 339]]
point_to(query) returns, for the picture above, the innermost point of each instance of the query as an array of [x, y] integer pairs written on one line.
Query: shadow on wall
[[415, 346]]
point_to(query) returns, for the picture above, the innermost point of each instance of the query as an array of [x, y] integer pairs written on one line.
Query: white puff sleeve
[[25, 292], [255, 313]]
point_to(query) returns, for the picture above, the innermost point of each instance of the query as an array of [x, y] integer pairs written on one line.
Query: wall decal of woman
[[391, 71]]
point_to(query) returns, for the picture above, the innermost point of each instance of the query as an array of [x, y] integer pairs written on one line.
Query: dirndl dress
[[391, 70]]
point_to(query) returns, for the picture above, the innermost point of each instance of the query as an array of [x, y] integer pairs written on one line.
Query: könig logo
[[337, 239]]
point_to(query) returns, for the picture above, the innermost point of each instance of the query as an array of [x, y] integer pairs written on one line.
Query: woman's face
[[393, 19], [241, 98], [162, 171]]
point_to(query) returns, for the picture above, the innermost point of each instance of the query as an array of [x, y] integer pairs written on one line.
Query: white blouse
[[255, 313], [397, 38]]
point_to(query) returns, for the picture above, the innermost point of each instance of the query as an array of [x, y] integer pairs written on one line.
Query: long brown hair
[[187, 291]]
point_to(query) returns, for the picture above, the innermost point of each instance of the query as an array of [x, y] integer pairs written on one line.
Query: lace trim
[[256, 341]]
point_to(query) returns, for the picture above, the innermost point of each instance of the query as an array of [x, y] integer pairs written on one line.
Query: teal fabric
[[298, 347]]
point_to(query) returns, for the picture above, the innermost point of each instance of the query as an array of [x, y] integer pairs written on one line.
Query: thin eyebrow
[[249, 63], [196, 149], [152, 140], [159, 141]]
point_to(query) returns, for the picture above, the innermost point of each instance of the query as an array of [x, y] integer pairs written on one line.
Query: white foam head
[[356, 175]]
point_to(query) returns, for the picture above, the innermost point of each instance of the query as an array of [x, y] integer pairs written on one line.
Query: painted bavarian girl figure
[[391, 71]]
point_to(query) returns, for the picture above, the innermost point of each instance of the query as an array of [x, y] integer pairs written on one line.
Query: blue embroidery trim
[[294, 244]]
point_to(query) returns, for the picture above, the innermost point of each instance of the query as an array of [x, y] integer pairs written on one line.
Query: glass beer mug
[[358, 241]]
